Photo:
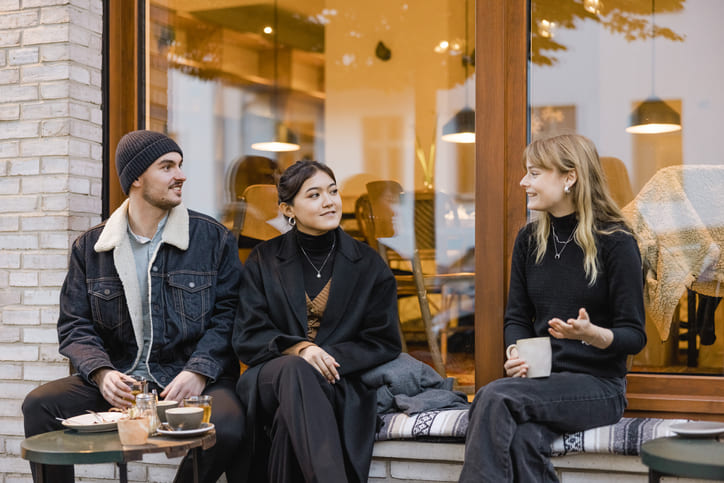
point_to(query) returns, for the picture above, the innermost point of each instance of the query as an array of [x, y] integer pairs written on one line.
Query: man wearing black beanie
[[150, 295]]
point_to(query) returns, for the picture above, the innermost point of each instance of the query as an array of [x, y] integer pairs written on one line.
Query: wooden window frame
[[502, 119]]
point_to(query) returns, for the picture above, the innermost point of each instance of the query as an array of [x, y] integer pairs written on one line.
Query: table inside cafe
[[70, 447]]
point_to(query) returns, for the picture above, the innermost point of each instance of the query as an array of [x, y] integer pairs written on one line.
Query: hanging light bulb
[[653, 116], [284, 140], [461, 128]]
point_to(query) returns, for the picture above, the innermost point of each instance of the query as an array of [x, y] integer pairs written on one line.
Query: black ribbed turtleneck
[[316, 248]]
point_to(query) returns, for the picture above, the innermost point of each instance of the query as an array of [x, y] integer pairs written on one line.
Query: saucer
[[166, 430]]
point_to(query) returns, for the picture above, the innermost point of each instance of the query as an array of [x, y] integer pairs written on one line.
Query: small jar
[[146, 404]]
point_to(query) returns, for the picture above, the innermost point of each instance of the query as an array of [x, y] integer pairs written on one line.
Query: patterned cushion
[[624, 437]]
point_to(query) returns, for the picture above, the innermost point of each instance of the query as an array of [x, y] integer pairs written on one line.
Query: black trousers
[[71, 396], [299, 408]]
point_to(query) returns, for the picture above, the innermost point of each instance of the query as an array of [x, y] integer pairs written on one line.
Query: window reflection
[[603, 61], [364, 87]]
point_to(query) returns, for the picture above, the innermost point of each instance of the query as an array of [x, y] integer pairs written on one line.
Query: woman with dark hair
[[576, 276], [317, 309]]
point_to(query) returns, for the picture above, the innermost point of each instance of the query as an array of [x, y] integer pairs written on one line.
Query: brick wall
[[50, 188]]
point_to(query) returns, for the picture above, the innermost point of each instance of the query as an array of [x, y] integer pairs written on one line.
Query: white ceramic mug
[[536, 351]]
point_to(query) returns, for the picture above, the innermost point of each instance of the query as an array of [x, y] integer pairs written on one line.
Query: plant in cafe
[[427, 162]]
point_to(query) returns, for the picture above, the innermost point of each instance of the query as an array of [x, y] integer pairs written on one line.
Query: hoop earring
[[292, 221], [567, 190]]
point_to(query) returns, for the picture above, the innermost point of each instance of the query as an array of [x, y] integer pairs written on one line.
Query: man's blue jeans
[[513, 422]]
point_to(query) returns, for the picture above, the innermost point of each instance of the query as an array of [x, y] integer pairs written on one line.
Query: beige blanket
[[678, 219]]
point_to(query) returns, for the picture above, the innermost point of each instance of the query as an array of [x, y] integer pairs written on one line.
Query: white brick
[[79, 74], [9, 112], [55, 203], [9, 259], [24, 167], [11, 371], [86, 56], [17, 352], [96, 116], [55, 15], [52, 278], [4, 279], [85, 204], [27, 55], [20, 129], [82, 167], [9, 76], [44, 147], [18, 20], [39, 336], [55, 127], [79, 111], [10, 407], [85, 93], [9, 5], [47, 34], [9, 38], [79, 148], [98, 472], [56, 90], [18, 204], [44, 223], [9, 334], [45, 110], [159, 473], [12, 464], [24, 316], [13, 241], [44, 261], [45, 72], [96, 189], [52, 165], [86, 130], [49, 315], [3, 166], [9, 149], [9, 223], [9, 297], [9, 186], [79, 185], [20, 93], [54, 52], [80, 36], [49, 353], [23, 279], [53, 240], [81, 223], [45, 372], [42, 3], [40, 297], [82, 17]]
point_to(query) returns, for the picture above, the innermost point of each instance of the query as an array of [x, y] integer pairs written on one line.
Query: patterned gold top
[[315, 310]]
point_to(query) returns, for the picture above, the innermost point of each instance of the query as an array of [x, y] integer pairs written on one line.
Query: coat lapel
[[345, 275], [291, 278]]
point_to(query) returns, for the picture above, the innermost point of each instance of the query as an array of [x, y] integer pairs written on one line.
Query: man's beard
[[160, 202]]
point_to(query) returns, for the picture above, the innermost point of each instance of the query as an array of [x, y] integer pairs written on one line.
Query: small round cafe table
[[687, 457], [69, 447]]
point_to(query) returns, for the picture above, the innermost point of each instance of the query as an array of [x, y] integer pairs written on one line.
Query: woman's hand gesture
[[321, 361], [515, 366]]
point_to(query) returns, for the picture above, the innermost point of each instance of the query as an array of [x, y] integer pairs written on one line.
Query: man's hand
[[322, 362], [113, 387], [185, 384]]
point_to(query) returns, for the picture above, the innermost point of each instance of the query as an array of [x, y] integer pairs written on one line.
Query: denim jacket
[[193, 299]]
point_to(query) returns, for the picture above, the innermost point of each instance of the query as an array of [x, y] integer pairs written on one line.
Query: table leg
[[38, 471], [123, 472], [195, 457], [654, 476]]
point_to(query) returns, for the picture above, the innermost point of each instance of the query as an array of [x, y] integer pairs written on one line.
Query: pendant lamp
[[283, 140], [461, 128], [653, 116]]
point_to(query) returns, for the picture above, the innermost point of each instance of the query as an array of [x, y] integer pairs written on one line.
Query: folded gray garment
[[411, 386]]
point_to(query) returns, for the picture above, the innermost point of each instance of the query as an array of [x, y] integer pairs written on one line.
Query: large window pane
[[366, 87], [592, 66]]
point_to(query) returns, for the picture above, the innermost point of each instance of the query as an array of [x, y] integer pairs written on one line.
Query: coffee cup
[[536, 352], [162, 406], [184, 418]]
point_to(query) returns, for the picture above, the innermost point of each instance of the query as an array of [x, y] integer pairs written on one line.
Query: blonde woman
[[575, 276]]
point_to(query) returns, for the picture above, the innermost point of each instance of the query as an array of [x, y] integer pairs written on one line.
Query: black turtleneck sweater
[[558, 288], [317, 248]]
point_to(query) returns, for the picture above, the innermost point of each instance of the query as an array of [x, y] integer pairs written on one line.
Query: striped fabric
[[624, 437]]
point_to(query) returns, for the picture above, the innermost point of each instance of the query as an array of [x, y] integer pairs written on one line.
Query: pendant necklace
[[319, 270], [556, 242]]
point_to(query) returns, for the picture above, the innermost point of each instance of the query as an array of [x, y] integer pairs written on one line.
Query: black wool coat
[[359, 328]]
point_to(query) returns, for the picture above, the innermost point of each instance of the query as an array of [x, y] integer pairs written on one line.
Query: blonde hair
[[596, 211]]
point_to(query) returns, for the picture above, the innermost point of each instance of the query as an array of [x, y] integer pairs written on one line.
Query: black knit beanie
[[138, 150]]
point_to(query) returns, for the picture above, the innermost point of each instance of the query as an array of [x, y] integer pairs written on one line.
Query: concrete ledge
[[408, 461]]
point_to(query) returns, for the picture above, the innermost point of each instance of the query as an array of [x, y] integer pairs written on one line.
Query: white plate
[[184, 433], [87, 423], [698, 428]]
